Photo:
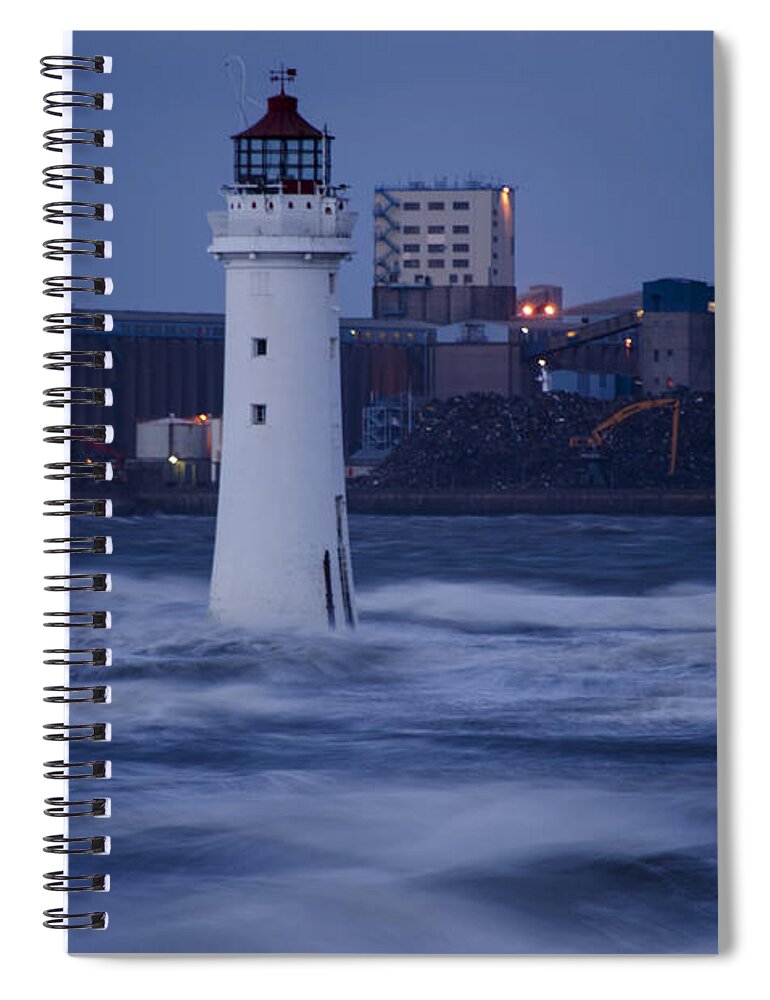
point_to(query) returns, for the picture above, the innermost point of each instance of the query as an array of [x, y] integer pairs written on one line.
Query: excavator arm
[[597, 436]]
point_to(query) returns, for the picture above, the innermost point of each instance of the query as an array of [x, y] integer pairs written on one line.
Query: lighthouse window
[[258, 347], [258, 413], [291, 160]]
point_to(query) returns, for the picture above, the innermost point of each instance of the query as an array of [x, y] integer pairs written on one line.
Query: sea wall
[[574, 501]]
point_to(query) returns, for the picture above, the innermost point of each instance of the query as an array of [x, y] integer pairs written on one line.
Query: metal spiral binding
[[61, 248], [58, 175], [68, 248], [97, 471], [92, 545], [53, 66], [57, 361], [57, 138]]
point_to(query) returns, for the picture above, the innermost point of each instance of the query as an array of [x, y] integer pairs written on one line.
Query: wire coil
[[82, 322], [61, 808], [59, 361], [59, 174], [54, 66], [69, 468], [92, 545], [55, 102], [60, 248], [100, 582], [59, 920], [61, 882], [96, 657], [93, 694], [96, 471], [57, 138], [65, 770], [91, 433]]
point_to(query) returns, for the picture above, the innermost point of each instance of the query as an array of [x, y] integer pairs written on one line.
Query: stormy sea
[[514, 752]]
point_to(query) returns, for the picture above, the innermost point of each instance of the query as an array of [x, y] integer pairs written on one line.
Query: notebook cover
[[413, 631]]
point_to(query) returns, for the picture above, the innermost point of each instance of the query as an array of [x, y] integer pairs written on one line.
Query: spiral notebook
[[382, 421]]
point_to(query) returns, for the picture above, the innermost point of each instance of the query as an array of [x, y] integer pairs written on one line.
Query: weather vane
[[283, 76]]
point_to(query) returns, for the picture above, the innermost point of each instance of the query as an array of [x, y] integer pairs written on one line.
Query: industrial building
[[444, 253], [540, 300], [163, 364], [678, 343], [658, 339]]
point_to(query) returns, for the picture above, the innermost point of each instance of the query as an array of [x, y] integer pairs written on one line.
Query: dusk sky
[[607, 137]]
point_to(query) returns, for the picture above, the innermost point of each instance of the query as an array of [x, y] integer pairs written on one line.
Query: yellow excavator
[[596, 438]]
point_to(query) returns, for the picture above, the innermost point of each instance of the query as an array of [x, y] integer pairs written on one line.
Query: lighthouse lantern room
[[281, 558]]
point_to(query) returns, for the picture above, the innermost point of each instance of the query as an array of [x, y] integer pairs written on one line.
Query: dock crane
[[597, 436]]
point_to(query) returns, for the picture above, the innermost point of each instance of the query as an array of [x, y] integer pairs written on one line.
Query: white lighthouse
[[282, 559]]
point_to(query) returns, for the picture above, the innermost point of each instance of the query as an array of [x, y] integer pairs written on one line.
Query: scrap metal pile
[[491, 442]]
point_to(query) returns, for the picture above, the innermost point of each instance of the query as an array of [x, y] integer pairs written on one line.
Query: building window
[[461, 229], [436, 263], [258, 347], [411, 206], [258, 413], [452, 279], [461, 205], [494, 239], [461, 247], [436, 229], [419, 278], [411, 263], [332, 348], [656, 355], [332, 283], [411, 248], [494, 256], [462, 262], [436, 247], [467, 279], [436, 206], [411, 230], [669, 354]]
